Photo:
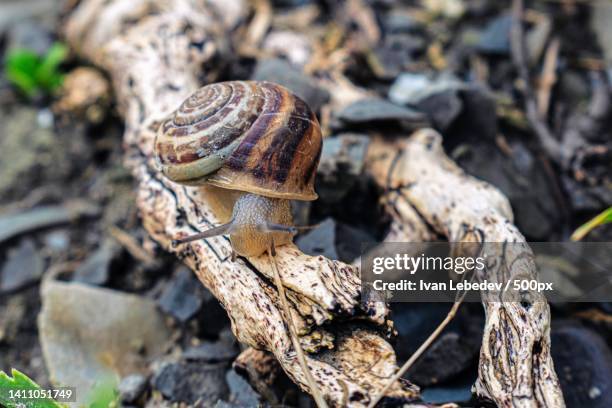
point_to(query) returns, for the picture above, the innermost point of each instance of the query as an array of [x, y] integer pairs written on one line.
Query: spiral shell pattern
[[243, 135]]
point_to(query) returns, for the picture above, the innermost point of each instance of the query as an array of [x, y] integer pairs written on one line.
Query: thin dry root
[[314, 389]]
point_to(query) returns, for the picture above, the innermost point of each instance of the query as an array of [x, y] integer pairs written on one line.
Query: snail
[[258, 144], [254, 146]]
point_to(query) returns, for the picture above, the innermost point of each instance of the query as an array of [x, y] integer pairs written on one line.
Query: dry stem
[[314, 389]]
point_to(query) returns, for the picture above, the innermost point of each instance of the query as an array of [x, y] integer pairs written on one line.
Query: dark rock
[[95, 270], [340, 166], [24, 266], [496, 37], [446, 101], [282, 73], [416, 321], [441, 395], [442, 109], [397, 52], [479, 114], [349, 242], [30, 35], [241, 392], [211, 352], [181, 297], [376, 110], [583, 363], [522, 179], [190, 382], [448, 356], [132, 387], [334, 240], [214, 322], [320, 240]]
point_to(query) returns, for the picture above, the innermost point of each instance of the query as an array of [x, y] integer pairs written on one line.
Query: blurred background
[[154, 335]]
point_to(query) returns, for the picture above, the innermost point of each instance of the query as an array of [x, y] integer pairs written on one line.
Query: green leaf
[[47, 73], [604, 218], [31, 73], [23, 81], [104, 394], [21, 382], [20, 70]]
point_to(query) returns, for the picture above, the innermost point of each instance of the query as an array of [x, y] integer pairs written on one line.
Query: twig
[[314, 390], [413, 358], [131, 245], [419, 352], [548, 78], [551, 146]]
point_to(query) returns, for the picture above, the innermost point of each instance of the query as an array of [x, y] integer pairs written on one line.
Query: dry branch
[[516, 368], [154, 52]]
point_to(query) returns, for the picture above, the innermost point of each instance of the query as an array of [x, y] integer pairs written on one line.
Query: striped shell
[[251, 136]]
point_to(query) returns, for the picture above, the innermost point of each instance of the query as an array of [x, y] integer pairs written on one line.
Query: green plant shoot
[[21, 382], [33, 74], [603, 218]]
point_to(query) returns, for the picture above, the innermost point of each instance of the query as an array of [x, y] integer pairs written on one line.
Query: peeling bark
[[516, 368], [155, 53]]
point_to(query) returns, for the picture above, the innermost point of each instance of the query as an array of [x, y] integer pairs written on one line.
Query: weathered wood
[[155, 53], [423, 184]]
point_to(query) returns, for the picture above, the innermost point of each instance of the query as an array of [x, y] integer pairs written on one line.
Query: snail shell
[[250, 136]]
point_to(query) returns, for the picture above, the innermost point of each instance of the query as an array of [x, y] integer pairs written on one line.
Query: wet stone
[[282, 73], [132, 387], [23, 266], [190, 382], [583, 362], [181, 298]]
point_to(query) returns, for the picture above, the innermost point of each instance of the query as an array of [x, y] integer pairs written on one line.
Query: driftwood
[[154, 52], [157, 53], [427, 190]]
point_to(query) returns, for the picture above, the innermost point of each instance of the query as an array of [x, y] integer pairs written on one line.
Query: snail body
[[255, 139]]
